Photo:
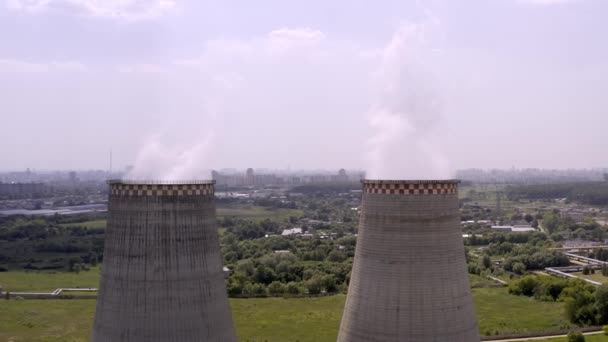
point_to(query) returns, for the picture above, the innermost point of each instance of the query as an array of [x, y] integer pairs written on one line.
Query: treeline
[[594, 193], [565, 227], [44, 243], [248, 230], [518, 253], [498, 237], [326, 188], [585, 304], [286, 265]]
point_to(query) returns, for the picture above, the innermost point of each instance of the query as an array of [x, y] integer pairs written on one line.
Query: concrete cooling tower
[[409, 280], [162, 270]]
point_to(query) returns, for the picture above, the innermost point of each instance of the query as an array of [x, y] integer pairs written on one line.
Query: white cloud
[[18, 66], [285, 38], [145, 68], [119, 9], [547, 2], [302, 41]]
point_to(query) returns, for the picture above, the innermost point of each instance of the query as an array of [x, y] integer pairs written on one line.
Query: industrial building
[[409, 280], [162, 277]]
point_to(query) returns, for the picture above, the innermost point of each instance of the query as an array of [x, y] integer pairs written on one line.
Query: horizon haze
[[399, 89]]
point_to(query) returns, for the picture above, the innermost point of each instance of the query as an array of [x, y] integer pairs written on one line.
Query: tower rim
[[159, 182], [410, 181]]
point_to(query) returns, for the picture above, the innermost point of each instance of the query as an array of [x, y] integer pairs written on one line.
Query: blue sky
[[270, 84]]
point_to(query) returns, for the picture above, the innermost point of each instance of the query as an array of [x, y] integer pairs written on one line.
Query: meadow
[[47, 281], [251, 212], [261, 319], [588, 338], [256, 213], [88, 224]]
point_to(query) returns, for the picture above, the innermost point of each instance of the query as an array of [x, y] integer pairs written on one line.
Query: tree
[[276, 288], [329, 283], [486, 261], [235, 288], [93, 259], [292, 288], [314, 285], [550, 222], [264, 275], [336, 256], [576, 336], [580, 302], [601, 304], [586, 270], [605, 270], [254, 289], [529, 218], [72, 262], [519, 268]]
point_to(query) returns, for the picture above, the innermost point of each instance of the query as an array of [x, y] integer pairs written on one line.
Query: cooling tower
[[409, 280], [162, 270]]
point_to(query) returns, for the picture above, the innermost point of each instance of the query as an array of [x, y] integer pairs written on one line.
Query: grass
[[596, 277], [500, 313], [256, 213], [295, 319], [588, 338], [46, 320], [88, 224], [265, 319], [47, 281], [478, 281]]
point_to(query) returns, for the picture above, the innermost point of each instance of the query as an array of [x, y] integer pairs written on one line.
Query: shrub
[[292, 288], [576, 336], [276, 288], [519, 268], [586, 270], [314, 285]]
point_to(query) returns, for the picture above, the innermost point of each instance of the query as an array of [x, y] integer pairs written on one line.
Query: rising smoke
[[405, 111], [158, 162], [183, 152]]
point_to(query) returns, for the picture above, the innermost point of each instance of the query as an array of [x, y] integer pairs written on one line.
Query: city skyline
[[510, 83]]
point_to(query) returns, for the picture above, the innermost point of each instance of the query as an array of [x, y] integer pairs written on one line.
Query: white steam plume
[[406, 111], [183, 153], [157, 161]]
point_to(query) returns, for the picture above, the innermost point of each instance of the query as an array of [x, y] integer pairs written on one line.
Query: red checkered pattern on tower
[[411, 188], [161, 189]]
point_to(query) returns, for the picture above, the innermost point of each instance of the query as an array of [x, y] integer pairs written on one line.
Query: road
[[542, 338]]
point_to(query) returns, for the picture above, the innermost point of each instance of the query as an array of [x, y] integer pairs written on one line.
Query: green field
[[294, 319], [252, 212], [500, 313], [266, 319], [45, 281], [256, 212], [87, 224], [588, 338], [46, 320], [477, 281], [596, 277]]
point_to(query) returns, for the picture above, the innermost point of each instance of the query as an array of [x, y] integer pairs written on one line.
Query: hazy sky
[[309, 84]]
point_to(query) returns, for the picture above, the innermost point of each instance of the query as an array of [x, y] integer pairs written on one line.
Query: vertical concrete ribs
[[162, 269], [409, 280]]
